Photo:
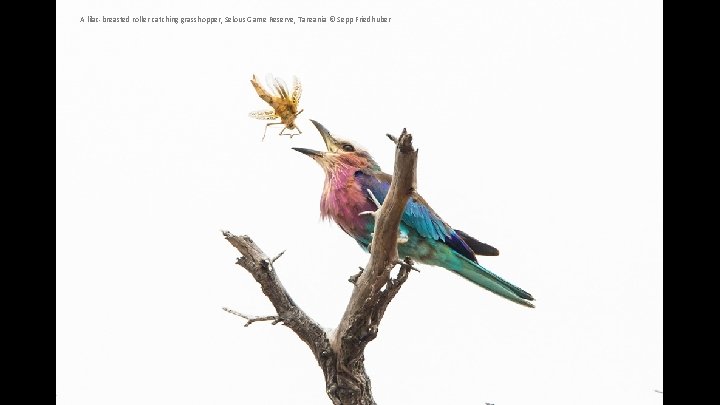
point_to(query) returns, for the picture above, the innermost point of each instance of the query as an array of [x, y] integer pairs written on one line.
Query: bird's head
[[340, 152]]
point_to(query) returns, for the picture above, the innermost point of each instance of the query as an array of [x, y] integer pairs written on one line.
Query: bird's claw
[[402, 238], [375, 201], [373, 198]]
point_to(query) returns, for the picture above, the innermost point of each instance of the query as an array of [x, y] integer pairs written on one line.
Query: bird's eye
[[348, 148]]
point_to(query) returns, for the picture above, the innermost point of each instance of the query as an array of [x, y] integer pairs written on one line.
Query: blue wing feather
[[417, 215]]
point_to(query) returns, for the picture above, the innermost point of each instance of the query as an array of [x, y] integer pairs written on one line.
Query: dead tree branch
[[359, 324], [260, 266], [340, 353], [251, 319]]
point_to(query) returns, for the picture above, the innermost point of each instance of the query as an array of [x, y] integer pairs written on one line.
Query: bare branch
[[250, 319], [279, 255], [367, 304], [408, 263], [392, 138], [391, 289], [257, 263], [353, 279]]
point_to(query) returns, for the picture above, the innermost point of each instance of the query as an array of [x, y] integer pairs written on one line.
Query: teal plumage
[[353, 180]]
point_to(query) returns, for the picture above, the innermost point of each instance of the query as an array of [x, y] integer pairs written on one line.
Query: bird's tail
[[492, 282]]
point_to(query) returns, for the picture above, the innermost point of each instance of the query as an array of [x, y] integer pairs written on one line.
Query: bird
[[355, 187], [336, 144]]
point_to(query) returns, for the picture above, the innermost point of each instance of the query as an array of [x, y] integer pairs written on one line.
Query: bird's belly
[[358, 226], [345, 209]]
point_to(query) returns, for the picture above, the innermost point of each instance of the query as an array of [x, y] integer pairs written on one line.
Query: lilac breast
[[343, 201]]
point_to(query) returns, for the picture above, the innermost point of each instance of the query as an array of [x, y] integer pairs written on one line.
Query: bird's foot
[[373, 198], [375, 201], [402, 238]]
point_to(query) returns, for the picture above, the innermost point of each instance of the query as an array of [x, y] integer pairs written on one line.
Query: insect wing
[[297, 91], [281, 88], [271, 82], [264, 115], [264, 95]]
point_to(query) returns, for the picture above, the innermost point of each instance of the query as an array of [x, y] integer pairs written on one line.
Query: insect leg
[[266, 127], [290, 134]]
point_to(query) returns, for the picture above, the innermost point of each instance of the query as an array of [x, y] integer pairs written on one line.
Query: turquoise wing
[[417, 215]]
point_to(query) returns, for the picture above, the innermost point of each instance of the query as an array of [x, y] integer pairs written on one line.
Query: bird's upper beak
[[310, 152], [331, 143]]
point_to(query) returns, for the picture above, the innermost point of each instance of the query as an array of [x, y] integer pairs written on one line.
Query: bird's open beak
[[312, 153], [331, 143]]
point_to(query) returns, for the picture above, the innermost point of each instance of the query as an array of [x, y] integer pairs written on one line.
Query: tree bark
[[340, 353]]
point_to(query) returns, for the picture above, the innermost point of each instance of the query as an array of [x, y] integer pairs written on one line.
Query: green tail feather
[[492, 282]]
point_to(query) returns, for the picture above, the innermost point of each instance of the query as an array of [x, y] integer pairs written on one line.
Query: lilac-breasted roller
[[355, 187]]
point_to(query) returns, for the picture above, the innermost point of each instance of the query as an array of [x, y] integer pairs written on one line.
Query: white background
[[539, 126]]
